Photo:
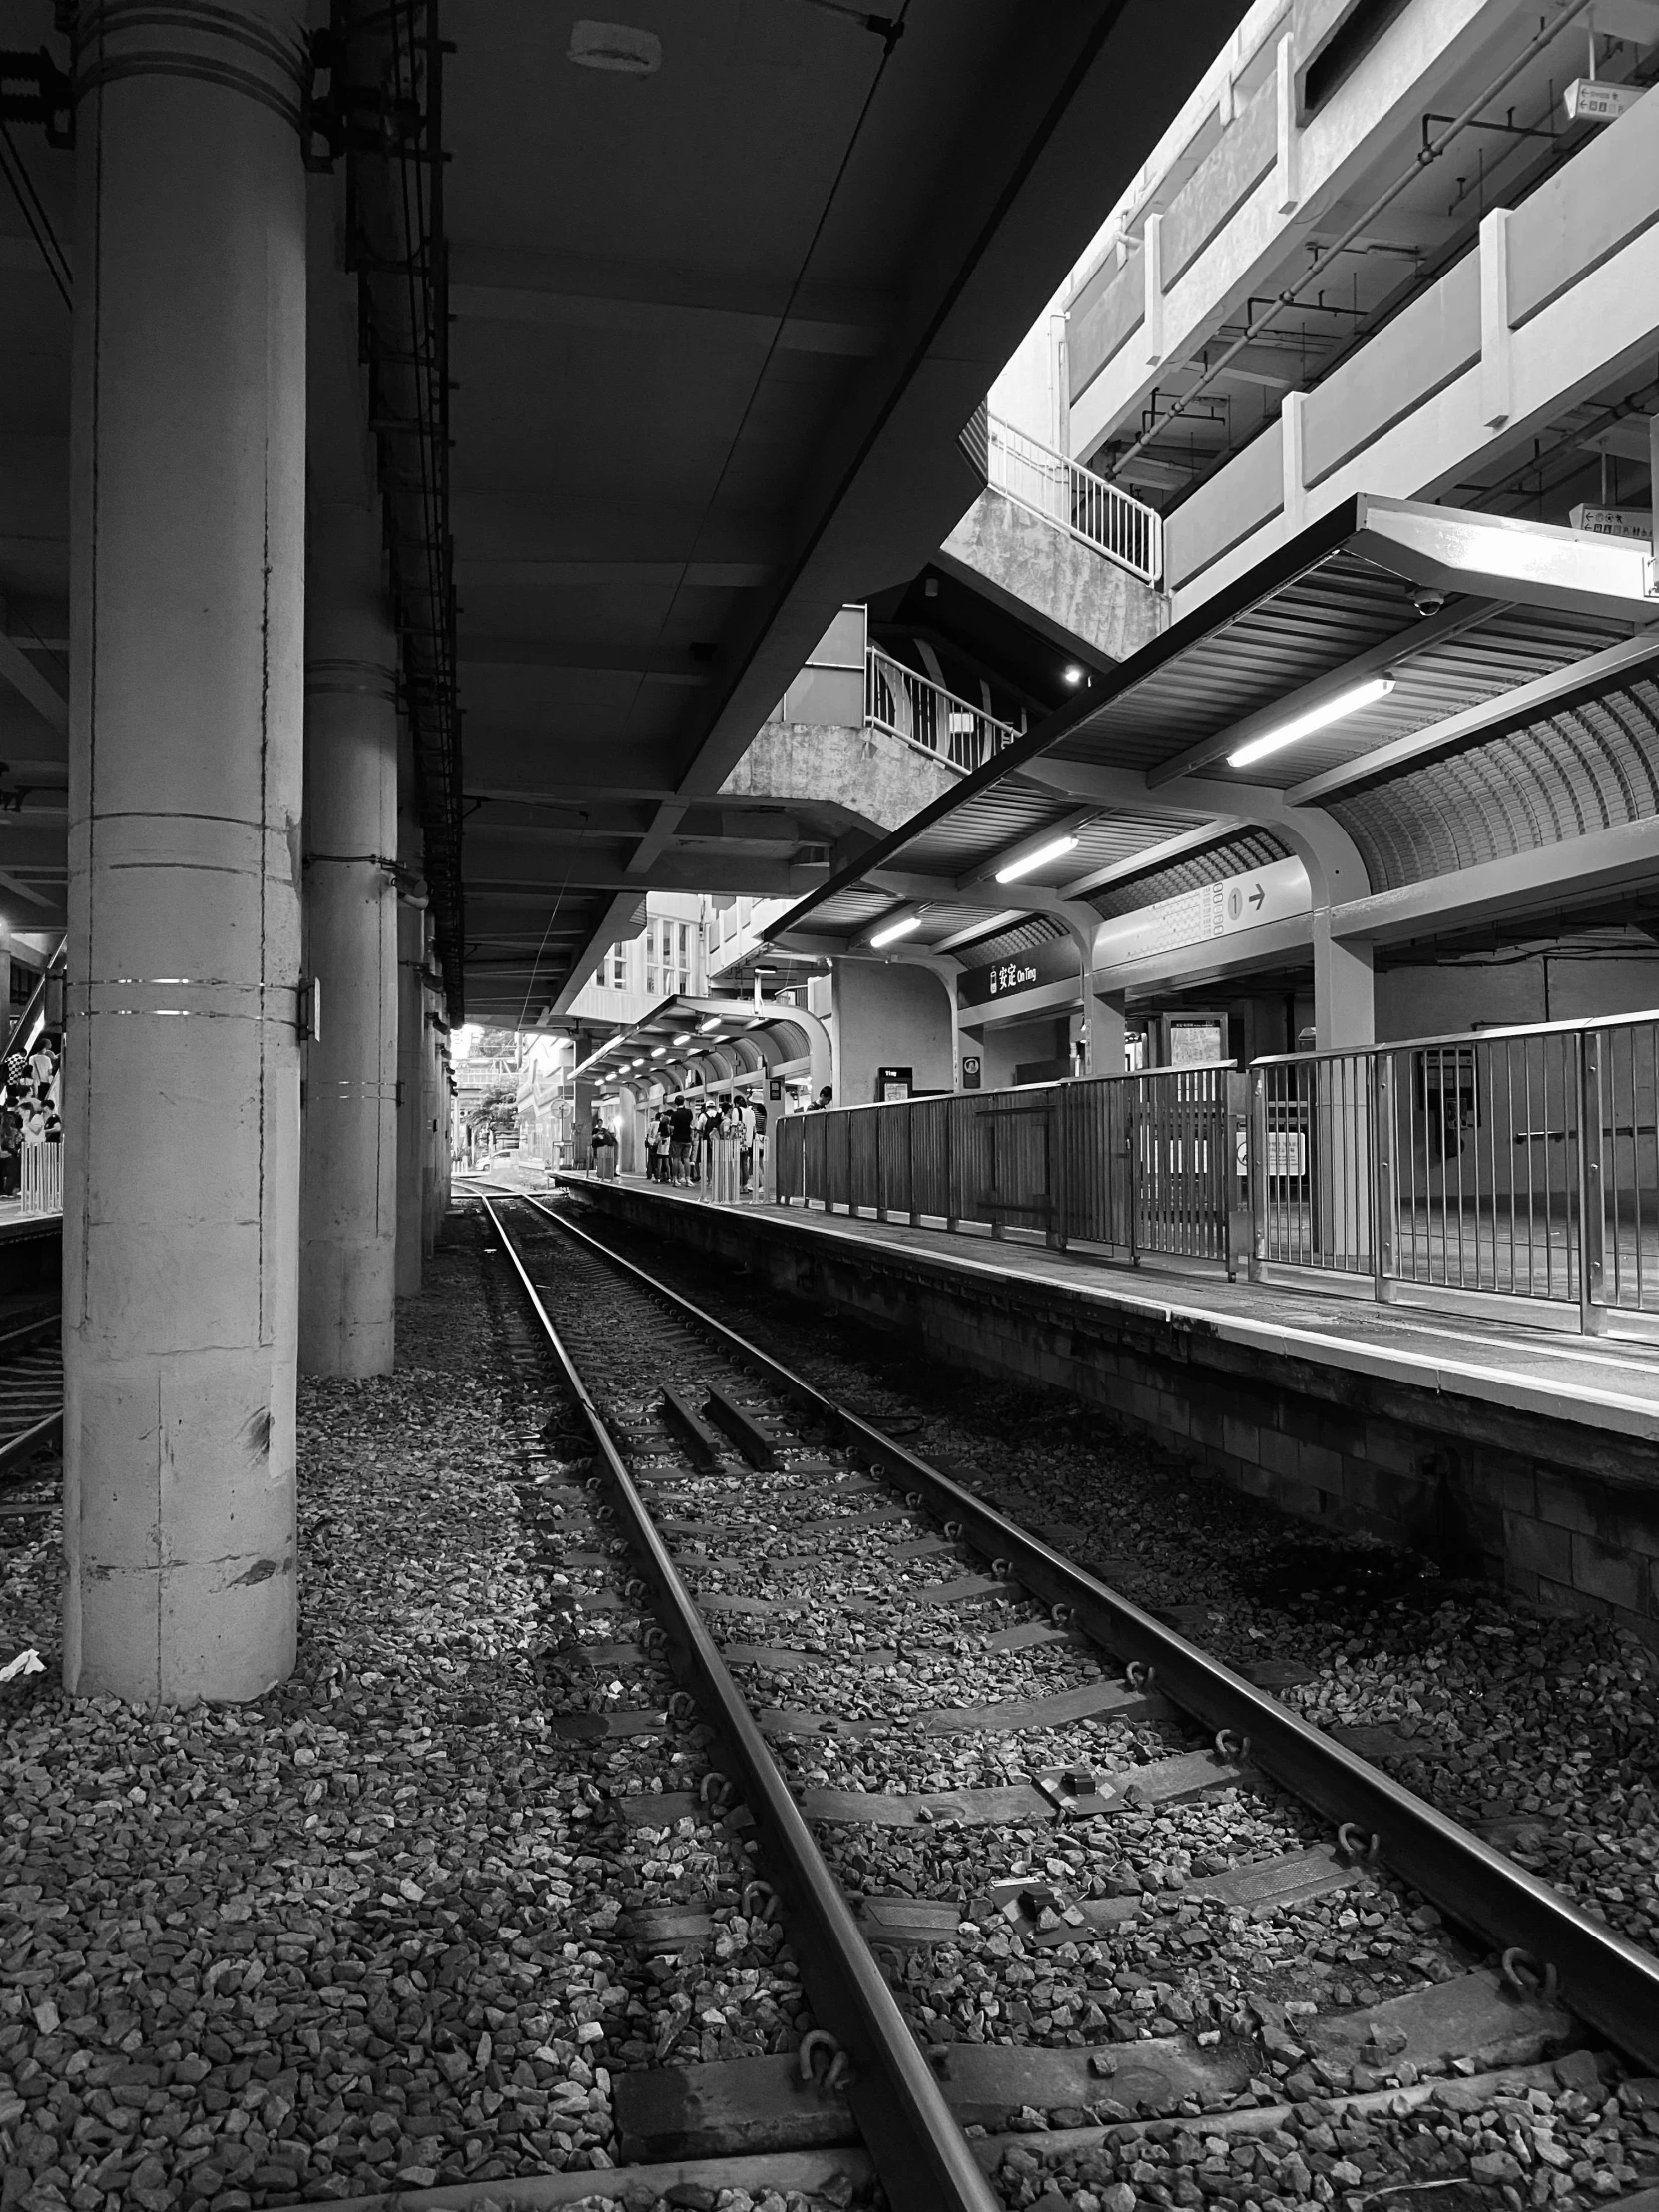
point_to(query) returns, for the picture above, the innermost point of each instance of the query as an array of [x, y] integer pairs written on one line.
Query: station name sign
[[1055, 962]]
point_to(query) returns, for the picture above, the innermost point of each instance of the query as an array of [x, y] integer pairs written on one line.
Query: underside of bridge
[[430, 451]]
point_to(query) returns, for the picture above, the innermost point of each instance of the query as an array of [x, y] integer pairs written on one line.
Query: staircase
[[1057, 544]]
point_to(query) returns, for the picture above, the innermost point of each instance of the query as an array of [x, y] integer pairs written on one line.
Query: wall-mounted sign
[[1271, 893], [970, 1071], [775, 1088], [1055, 962], [892, 1084]]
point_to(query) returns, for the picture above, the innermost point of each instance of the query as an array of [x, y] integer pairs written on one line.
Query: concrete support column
[[182, 1084], [349, 1182], [411, 1040], [431, 1075], [1344, 990], [1104, 1012]]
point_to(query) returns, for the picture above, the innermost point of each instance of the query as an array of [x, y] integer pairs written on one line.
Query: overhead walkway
[[1495, 1446]]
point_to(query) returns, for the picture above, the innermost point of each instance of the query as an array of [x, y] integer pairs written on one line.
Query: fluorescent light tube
[[895, 930], [1029, 863], [1317, 718]]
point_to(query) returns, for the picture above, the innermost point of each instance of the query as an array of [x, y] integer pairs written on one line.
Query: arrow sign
[[1257, 895]]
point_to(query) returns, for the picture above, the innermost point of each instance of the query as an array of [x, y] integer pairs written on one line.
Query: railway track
[[976, 1777], [31, 1411]]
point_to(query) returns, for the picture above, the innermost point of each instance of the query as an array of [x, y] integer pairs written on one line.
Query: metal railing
[[1063, 491], [40, 1183], [1515, 1167], [909, 706], [1505, 1164], [1132, 1164]]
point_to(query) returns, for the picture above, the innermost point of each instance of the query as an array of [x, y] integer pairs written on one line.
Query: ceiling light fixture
[[895, 930], [661, 1052], [713, 1022], [1029, 863], [1317, 718], [685, 1037], [1071, 674], [617, 47]]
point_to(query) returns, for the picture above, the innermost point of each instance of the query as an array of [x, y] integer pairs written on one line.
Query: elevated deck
[[1493, 1446]]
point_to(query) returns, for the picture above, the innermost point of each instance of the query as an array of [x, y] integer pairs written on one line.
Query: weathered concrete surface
[[1564, 1511], [1044, 575], [182, 1070], [860, 778]]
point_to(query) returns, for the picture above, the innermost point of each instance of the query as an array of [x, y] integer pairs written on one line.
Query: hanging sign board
[[1055, 962]]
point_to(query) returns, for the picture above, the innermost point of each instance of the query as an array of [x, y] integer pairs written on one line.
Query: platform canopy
[[711, 1042], [1450, 718]]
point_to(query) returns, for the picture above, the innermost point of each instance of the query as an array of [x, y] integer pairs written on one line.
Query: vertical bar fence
[[1510, 1165]]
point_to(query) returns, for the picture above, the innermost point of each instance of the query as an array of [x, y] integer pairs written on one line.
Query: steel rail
[[30, 1441], [1610, 1982], [917, 2145]]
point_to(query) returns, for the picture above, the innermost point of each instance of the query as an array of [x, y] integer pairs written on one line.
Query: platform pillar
[[411, 1040], [349, 1182], [1104, 1013], [1344, 990], [180, 1088]]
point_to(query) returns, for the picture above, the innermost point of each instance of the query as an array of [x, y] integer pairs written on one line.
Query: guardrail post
[[881, 1167], [1592, 1218], [952, 1196], [1385, 1198], [1259, 1171], [1235, 1166], [1056, 1193], [910, 1160]]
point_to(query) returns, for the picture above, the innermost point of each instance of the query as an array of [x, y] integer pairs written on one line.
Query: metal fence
[[1132, 1164], [41, 1179], [1114, 523], [1508, 1163], [1500, 1166], [909, 706]]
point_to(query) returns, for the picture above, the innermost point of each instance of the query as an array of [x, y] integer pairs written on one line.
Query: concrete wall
[[1016, 1045], [1037, 569], [1561, 1512], [891, 1015], [1444, 1001]]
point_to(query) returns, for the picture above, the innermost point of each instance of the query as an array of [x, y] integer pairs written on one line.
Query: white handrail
[[1063, 491], [924, 714]]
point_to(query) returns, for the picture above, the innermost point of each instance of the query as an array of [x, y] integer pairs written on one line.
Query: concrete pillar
[[431, 1075], [348, 1181], [1344, 990], [182, 1086], [1104, 1012], [412, 1037]]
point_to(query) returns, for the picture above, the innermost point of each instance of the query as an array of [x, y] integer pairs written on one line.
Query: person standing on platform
[[746, 1143], [757, 1154], [824, 1099], [681, 1122]]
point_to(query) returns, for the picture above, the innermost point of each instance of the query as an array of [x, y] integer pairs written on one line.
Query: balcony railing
[[908, 706], [1512, 1170], [1065, 492]]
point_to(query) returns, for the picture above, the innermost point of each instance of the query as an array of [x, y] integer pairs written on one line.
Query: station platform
[[1494, 1446]]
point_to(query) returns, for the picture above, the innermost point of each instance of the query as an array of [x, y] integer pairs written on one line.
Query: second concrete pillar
[[348, 1206]]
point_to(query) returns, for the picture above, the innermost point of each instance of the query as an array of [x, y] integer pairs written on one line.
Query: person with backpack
[[681, 1126]]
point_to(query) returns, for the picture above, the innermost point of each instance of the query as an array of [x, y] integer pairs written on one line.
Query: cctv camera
[[1429, 602]]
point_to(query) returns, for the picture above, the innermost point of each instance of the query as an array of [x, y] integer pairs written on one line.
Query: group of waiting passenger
[[718, 1144]]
